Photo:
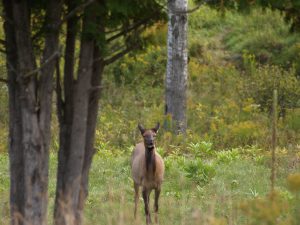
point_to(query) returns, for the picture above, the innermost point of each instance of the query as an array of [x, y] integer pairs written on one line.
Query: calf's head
[[149, 136]]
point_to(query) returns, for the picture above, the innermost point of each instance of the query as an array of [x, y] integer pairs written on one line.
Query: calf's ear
[[141, 128], [156, 128]]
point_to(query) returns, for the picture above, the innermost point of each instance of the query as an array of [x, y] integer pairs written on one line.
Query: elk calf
[[147, 170]]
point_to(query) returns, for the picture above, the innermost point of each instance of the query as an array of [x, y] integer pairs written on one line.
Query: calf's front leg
[[157, 193], [146, 194]]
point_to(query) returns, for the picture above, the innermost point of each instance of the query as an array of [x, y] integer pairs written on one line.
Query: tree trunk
[[15, 121], [67, 203], [33, 148], [93, 109], [30, 110], [53, 16], [65, 113], [78, 132], [176, 77]]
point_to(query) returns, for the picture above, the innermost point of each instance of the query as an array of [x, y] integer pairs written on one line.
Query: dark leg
[[136, 198], [157, 192], [146, 194]]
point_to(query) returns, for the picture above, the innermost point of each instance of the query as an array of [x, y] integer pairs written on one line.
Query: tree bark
[[31, 136], [79, 128], [93, 109], [53, 17], [67, 203], [65, 113], [15, 121], [176, 77], [30, 108]]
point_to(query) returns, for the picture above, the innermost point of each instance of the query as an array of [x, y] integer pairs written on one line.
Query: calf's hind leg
[[136, 198]]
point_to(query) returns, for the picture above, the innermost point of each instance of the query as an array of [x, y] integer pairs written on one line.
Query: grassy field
[[208, 198]]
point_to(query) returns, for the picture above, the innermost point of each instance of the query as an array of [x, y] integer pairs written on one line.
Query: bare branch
[[52, 57], [113, 31], [129, 29], [119, 54], [2, 51], [75, 11], [95, 88], [176, 11], [3, 81], [2, 42]]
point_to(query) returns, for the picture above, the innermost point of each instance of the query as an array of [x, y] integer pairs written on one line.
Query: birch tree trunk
[[176, 77]]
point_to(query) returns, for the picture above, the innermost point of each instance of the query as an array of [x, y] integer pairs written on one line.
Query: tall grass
[[183, 200]]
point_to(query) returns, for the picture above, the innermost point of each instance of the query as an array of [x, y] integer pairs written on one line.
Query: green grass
[[183, 201]]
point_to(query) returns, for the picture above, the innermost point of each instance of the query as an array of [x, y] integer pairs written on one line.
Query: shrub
[[199, 149], [292, 120], [227, 156], [148, 66], [199, 172], [264, 79], [244, 133], [270, 210], [293, 181], [265, 34]]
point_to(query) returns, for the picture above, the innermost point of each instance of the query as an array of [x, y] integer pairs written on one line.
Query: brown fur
[[147, 170]]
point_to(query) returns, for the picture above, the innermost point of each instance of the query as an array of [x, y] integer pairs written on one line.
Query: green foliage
[[244, 133], [269, 210], [293, 120], [136, 67], [132, 18], [201, 149], [199, 172], [263, 79], [227, 156], [231, 106], [264, 34], [293, 181], [202, 23], [4, 188], [290, 9], [3, 117]]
